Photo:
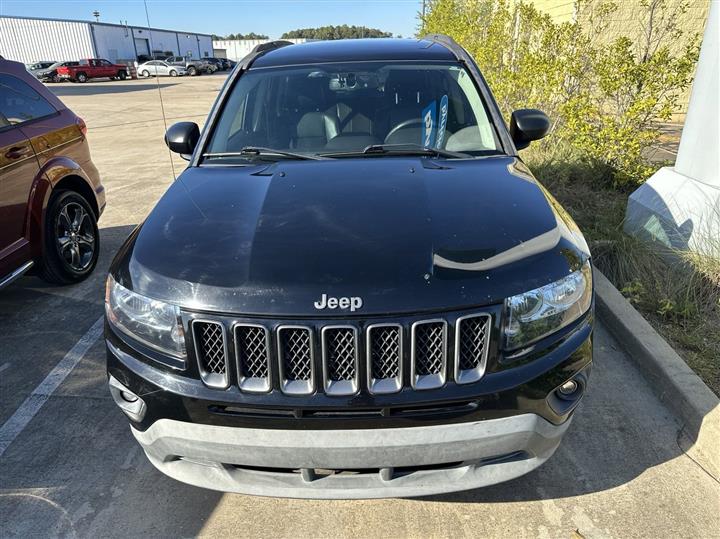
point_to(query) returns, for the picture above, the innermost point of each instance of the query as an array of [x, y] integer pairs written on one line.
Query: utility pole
[[423, 10], [96, 14]]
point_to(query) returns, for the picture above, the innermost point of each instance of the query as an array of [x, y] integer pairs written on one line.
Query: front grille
[[284, 356], [252, 352], [295, 351], [429, 354], [471, 347], [384, 350], [211, 352], [340, 359]]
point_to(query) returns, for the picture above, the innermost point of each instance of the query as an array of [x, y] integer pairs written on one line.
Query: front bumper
[[346, 464], [411, 443]]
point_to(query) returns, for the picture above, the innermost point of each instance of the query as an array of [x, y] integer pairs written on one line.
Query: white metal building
[[30, 40], [236, 49]]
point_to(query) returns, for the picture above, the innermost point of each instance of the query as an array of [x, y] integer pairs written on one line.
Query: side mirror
[[182, 137], [527, 125]]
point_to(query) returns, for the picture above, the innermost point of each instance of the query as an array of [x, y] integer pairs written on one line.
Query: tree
[[251, 35], [605, 95], [335, 32]]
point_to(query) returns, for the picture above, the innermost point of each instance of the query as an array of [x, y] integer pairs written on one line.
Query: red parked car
[[92, 68], [50, 191]]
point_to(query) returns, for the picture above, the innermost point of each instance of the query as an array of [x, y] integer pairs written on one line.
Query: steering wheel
[[403, 125]]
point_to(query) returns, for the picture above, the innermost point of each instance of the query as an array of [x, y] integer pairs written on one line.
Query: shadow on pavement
[[619, 432], [75, 470], [100, 87]]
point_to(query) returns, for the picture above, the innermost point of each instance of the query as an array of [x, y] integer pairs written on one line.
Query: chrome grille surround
[[472, 343], [296, 355], [252, 354], [428, 353], [340, 359], [384, 362], [211, 352]]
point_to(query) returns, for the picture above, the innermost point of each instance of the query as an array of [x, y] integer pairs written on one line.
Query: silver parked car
[[159, 68]]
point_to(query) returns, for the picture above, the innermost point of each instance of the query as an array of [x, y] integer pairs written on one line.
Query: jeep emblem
[[353, 303]]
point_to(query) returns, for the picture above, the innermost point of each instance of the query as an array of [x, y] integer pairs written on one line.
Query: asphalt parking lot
[[72, 469]]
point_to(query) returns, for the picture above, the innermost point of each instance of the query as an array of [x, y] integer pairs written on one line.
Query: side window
[[104, 63], [20, 103], [481, 122]]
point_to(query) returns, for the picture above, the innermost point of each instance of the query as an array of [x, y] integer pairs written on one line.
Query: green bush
[[605, 98]]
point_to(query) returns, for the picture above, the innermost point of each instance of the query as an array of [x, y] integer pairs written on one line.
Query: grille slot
[[384, 357], [252, 351], [340, 359], [472, 341], [211, 352], [428, 354], [296, 355]]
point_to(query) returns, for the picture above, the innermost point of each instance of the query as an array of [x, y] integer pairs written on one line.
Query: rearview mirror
[[182, 137], [527, 125]]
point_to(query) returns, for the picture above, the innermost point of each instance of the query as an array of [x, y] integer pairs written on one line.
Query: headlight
[[154, 323], [540, 312]]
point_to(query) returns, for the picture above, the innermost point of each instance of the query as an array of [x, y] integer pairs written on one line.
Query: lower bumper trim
[[345, 464]]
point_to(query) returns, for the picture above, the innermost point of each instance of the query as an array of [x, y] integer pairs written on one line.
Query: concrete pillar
[[679, 206]]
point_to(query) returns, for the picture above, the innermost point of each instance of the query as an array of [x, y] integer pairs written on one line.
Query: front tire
[[145, 73], [72, 241], [122, 75], [192, 71]]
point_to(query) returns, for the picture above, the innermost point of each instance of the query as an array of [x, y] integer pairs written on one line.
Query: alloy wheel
[[75, 236]]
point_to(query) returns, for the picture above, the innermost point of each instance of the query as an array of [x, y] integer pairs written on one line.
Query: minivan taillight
[[81, 124]]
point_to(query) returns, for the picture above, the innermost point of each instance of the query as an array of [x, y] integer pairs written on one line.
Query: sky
[[222, 17]]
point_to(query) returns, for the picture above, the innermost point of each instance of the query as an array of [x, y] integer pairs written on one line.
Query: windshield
[[341, 109]]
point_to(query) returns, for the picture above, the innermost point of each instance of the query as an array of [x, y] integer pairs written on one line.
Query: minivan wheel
[[81, 77], [122, 75], [71, 239]]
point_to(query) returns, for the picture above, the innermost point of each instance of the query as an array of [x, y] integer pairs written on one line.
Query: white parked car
[[158, 68]]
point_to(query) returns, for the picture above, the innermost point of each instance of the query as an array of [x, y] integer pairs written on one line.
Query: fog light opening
[[129, 397], [568, 388], [130, 403]]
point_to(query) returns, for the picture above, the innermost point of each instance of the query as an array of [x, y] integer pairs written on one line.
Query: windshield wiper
[[402, 149], [249, 151]]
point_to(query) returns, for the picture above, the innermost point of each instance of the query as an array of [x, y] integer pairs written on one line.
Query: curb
[[674, 382]]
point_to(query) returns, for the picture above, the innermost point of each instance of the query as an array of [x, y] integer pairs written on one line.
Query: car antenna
[[157, 79]]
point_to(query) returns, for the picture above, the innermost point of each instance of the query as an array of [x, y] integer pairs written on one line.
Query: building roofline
[[104, 24]]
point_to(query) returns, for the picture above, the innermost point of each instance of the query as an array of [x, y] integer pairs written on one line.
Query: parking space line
[[27, 410]]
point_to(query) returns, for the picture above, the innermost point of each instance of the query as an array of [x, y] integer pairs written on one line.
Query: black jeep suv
[[356, 288]]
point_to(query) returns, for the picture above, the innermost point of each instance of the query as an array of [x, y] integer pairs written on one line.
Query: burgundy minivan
[[50, 191]]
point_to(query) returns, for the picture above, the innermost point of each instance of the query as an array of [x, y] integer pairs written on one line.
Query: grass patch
[[677, 292]]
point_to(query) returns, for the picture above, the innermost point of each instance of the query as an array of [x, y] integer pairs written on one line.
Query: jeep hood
[[404, 234]]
